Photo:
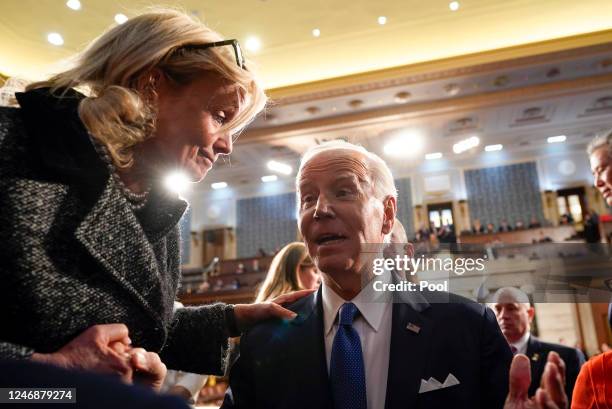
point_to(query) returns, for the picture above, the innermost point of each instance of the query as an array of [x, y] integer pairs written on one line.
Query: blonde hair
[[115, 64], [282, 276]]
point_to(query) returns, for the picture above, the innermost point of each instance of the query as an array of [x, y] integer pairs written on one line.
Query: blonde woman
[[291, 270], [90, 264]]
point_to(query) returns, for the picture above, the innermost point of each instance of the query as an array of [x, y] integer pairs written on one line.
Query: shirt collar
[[371, 305], [521, 344]]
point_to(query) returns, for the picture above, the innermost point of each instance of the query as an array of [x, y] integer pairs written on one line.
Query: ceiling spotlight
[[177, 182], [120, 18], [316, 32], [466, 144], [253, 44], [432, 156], [55, 39], [556, 139], [453, 5], [269, 178], [74, 4], [405, 144], [493, 148], [382, 20], [219, 185], [279, 167]]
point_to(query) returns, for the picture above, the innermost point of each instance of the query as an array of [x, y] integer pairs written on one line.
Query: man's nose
[[598, 181], [323, 208]]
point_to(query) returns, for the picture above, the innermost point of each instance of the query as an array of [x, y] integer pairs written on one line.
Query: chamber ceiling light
[[177, 182], [73, 4], [466, 144], [269, 178], [556, 139], [120, 18], [253, 44], [493, 148], [55, 39], [219, 185], [279, 167]]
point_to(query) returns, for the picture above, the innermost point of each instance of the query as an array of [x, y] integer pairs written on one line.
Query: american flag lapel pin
[[413, 327]]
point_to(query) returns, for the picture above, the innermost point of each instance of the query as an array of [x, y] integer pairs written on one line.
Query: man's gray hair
[[600, 140], [381, 177], [509, 295]]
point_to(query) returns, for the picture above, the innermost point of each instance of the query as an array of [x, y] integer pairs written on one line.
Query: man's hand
[[100, 348], [550, 394], [248, 315], [148, 368]]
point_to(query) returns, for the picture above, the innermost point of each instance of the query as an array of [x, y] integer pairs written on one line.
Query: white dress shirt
[[373, 325], [521, 344]]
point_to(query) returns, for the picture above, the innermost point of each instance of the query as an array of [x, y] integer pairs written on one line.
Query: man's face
[[339, 212], [602, 172], [513, 319]]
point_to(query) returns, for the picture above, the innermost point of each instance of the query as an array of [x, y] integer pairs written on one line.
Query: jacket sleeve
[[14, 351], [240, 394], [198, 340], [574, 361], [495, 361]]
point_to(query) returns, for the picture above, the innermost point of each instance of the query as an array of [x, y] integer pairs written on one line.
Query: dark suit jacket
[[537, 351], [74, 253], [283, 364]]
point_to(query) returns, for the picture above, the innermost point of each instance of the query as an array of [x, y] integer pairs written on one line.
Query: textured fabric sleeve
[[584, 389], [197, 341], [495, 361], [13, 351]]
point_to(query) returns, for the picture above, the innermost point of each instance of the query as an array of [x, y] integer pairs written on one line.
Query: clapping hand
[[550, 394]]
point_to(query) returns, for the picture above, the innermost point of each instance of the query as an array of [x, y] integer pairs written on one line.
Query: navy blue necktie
[[346, 369]]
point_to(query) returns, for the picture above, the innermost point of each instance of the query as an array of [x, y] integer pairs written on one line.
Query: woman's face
[[189, 118], [308, 275]]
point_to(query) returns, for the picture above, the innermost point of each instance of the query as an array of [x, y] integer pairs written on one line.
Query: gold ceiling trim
[[430, 108], [520, 55]]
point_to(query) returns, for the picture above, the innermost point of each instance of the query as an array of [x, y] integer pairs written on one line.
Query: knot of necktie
[[348, 312]]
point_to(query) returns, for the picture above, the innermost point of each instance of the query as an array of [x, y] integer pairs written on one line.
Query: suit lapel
[[114, 238], [307, 346], [537, 362], [408, 357]]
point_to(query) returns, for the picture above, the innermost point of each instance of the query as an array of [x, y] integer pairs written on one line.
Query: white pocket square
[[432, 384]]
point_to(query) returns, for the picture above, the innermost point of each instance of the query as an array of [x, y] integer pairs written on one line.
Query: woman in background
[[291, 270]]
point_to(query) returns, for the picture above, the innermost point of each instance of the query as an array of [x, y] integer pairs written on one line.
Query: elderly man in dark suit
[[515, 315], [352, 346]]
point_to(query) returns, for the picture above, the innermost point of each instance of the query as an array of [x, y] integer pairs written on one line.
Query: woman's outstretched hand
[[248, 315]]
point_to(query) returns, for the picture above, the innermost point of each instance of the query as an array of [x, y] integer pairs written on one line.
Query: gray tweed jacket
[[74, 254]]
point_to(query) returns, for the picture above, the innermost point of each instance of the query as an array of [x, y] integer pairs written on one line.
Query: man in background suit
[[350, 347], [515, 315]]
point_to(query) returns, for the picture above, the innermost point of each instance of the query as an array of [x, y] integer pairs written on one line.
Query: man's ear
[[389, 211]]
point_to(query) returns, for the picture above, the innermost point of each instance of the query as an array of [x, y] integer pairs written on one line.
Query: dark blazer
[[537, 351], [75, 254], [283, 364]]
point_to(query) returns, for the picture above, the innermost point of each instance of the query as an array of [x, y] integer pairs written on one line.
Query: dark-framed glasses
[[233, 42]]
